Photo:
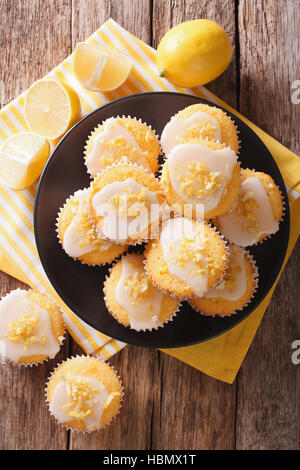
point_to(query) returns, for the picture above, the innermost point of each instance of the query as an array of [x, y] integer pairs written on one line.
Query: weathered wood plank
[[193, 410], [132, 429], [34, 37], [268, 383], [89, 15]]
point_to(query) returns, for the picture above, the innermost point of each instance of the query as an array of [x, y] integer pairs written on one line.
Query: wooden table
[[168, 404]]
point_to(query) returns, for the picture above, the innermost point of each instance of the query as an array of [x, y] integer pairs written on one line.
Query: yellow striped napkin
[[220, 357]]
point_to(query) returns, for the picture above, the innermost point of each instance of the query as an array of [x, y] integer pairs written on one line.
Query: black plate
[[80, 286]]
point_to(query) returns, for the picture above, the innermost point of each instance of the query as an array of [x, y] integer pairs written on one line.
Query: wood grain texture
[[268, 383], [34, 37], [89, 15]]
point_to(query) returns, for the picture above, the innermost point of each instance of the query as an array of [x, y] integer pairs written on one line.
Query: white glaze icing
[[61, 396], [176, 128], [112, 130], [74, 238], [119, 226], [236, 287], [12, 308], [175, 232], [218, 162], [238, 229], [143, 311]]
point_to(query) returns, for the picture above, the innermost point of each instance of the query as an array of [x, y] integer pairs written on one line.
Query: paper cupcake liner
[[190, 296], [95, 131], [128, 241], [156, 327], [7, 360], [64, 424], [239, 309]]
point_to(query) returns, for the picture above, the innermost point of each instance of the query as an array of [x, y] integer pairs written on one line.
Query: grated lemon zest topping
[[199, 180], [81, 395], [137, 286], [23, 329], [204, 130], [118, 147], [90, 235], [246, 207], [130, 203]]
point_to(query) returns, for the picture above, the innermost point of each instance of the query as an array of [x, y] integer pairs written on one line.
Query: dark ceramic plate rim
[[254, 303]]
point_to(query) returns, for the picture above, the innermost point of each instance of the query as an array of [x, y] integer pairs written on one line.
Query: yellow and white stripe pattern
[[18, 254]]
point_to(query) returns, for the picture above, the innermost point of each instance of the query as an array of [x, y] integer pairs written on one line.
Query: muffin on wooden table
[[84, 393], [31, 327]]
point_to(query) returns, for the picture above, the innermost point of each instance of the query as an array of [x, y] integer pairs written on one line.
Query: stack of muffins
[[192, 222]]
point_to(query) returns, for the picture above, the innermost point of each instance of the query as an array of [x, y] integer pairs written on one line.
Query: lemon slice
[[100, 68], [51, 108], [22, 159]]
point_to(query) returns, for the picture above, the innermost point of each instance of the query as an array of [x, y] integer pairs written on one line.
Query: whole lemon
[[193, 53]]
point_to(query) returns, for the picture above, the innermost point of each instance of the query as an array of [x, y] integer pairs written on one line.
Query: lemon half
[[100, 68], [193, 53], [51, 108], [22, 159]]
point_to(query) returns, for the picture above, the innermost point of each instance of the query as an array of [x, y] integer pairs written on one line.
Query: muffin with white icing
[[236, 289], [119, 137], [84, 393], [77, 236], [199, 121], [125, 204], [188, 258], [203, 176], [31, 327], [132, 299], [256, 213]]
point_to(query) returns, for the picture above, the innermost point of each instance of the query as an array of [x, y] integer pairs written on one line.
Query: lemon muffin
[[236, 288], [119, 137], [199, 121], [84, 393], [125, 204], [188, 258], [256, 213], [204, 175], [132, 299], [78, 237], [31, 327]]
